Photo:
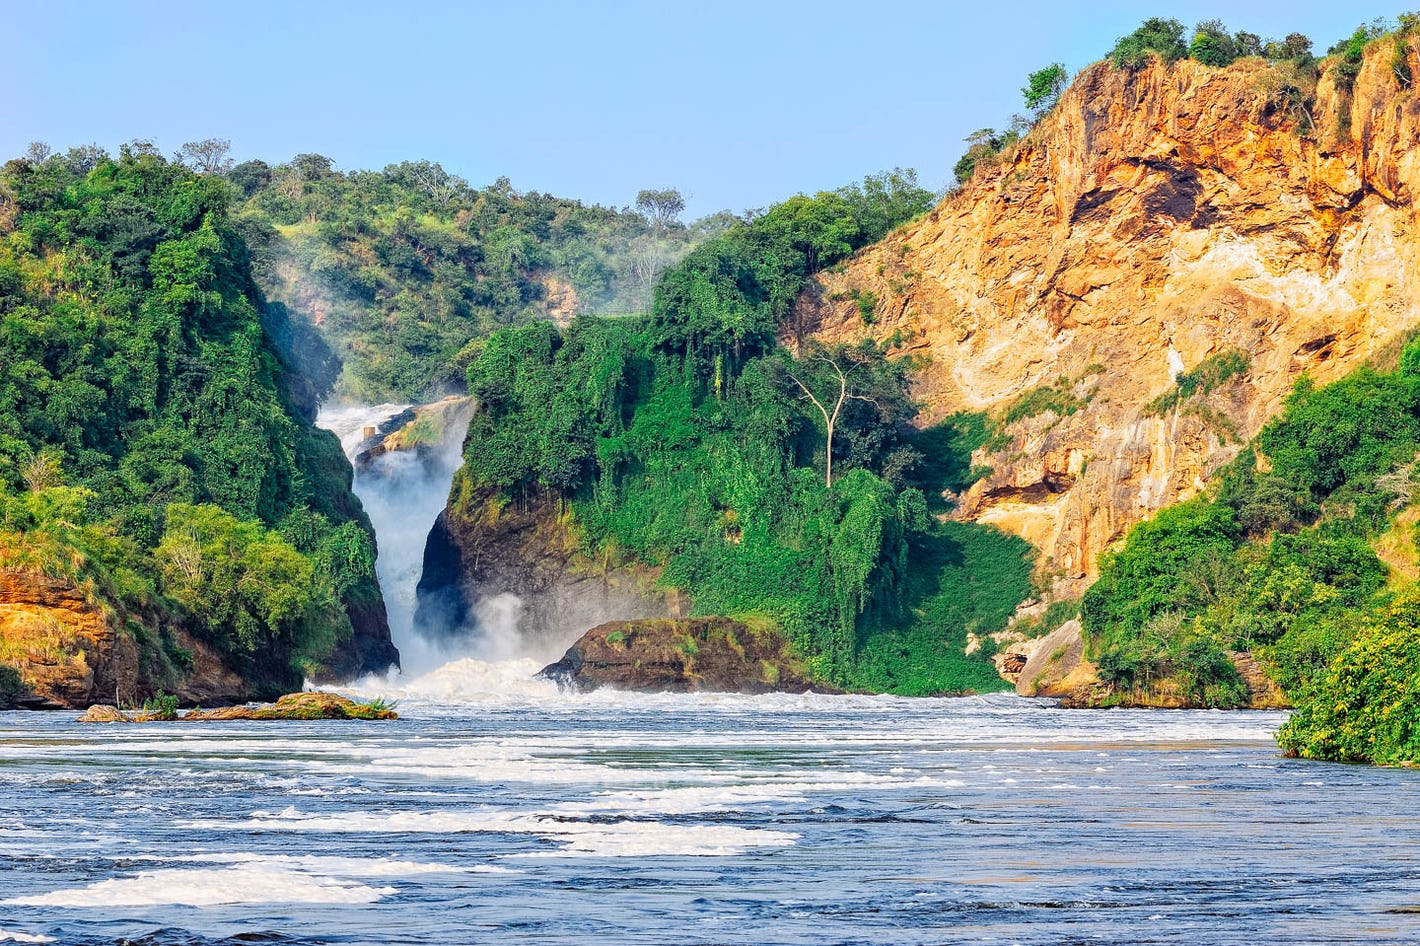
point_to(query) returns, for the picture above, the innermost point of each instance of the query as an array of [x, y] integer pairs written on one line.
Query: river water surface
[[497, 810]]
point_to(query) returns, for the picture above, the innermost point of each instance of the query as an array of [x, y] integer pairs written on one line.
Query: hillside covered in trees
[[157, 454], [786, 489], [403, 271]]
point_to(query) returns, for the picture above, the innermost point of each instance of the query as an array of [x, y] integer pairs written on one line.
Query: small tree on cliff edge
[[1043, 88]]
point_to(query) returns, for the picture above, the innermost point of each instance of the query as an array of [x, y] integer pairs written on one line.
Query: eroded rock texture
[[1153, 219]]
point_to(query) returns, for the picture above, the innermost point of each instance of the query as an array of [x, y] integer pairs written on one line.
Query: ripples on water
[[499, 811]]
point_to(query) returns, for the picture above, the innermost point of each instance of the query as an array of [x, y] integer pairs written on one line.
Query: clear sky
[[738, 104]]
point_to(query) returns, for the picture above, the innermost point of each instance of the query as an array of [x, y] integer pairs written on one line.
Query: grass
[[1057, 398]]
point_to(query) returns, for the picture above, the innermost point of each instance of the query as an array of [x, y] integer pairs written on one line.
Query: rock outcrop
[[1153, 219], [484, 547], [686, 655], [1054, 665], [437, 426], [66, 651], [291, 707]]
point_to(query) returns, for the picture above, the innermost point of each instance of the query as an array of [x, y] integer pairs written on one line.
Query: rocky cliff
[[1153, 220], [63, 649], [485, 546]]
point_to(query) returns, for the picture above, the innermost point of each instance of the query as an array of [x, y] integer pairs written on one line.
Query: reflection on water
[[506, 809]]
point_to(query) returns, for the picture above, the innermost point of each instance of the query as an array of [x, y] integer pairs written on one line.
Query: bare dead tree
[[441, 186], [646, 263], [208, 156], [830, 418]]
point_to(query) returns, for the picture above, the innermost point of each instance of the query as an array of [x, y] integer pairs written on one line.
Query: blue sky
[[738, 104]]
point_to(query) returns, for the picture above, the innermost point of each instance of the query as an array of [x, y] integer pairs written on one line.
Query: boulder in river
[[679, 655]]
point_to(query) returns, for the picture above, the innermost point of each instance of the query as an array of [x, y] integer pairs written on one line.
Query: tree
[[85, 158], [37, 152], [885, 200], [208, 156], [429, 178], [660, 208], [646, 263], [250, 176], [1212, 45], [845, 393], [312, 167], [1043, 88]]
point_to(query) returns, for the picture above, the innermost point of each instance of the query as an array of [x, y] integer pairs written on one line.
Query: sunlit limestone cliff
[[1157, 220]]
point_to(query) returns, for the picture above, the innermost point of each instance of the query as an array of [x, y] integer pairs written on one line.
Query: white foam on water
[[208, 887], [13, 936], [344, 867], [630, 838], [462, 682], [652, 838]]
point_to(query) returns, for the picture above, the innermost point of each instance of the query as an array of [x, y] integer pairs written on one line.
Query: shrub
[[163, 706], [1058, 398], [1210, 374], [1156, 36], [1365, 706]]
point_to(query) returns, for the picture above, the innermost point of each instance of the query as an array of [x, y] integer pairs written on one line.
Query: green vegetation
[[163, 706], [1364, 706], [785, 490], [155, 447], [1278, 560], [984, 148], [1044, 86], [1210, 374], [1156, 37], [1211, 44], [1058, 398], [408, 270]]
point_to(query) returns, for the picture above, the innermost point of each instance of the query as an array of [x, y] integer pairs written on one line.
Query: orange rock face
[[64, 648], [1153, 219], [69, 654]]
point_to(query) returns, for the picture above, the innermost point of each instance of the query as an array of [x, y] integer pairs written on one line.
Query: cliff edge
[[1159, 223]]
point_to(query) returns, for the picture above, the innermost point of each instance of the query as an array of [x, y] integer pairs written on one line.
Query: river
[[498, 810]]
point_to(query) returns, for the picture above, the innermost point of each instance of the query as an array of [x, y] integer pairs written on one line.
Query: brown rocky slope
[[59, 648], [1153, 219]]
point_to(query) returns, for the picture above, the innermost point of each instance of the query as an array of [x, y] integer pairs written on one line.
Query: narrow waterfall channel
[[403, 491]]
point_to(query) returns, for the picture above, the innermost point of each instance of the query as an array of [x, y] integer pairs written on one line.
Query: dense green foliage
[[1043, 87], [1058, 398], [142, 402], [688, 440], [1210, 44], [1278, 560], [408, 269], [1364, 704], [1156, 36]]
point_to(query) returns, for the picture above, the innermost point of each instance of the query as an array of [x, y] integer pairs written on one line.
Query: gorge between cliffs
[[1031, 559]]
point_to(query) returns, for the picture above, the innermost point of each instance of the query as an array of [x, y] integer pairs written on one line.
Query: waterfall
[[403, 492]]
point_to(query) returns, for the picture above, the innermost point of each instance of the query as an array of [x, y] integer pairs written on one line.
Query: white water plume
[[403, 492]]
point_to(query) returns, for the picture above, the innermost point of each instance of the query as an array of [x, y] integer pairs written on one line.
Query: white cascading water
[[403, 492]]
